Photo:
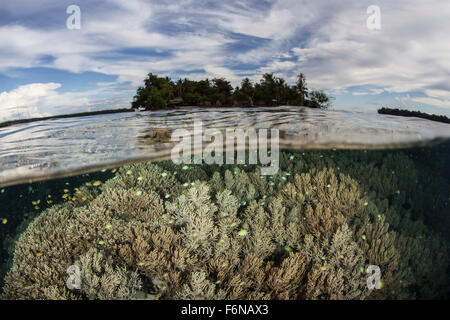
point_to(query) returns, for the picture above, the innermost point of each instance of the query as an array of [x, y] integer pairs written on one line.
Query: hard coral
[[309, 232]]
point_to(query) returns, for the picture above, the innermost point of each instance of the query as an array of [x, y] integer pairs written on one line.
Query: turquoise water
[[354, 194]]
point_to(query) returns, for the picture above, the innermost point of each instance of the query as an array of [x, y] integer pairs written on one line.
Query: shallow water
[[353, 191], [56, 148]]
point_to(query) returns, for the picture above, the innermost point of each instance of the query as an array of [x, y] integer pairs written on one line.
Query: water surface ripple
[[43, 149]]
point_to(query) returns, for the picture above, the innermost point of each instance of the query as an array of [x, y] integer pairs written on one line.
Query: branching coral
[[245, 186], [159, 255], [200, 288], [100, 279], [131, 205], [188, 232], [194, 214], [339, 193], [146, 177], [320, 201], [251, 278], [256, 222], [336, 263]]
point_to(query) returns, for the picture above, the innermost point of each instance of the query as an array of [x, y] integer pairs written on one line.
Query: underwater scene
[[331, 223]]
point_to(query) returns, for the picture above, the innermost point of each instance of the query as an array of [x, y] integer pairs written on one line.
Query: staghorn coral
[[320, 201], [336, 267], [131, 205], [159, 255], [225, 232], [260, 240], [250, 278], [200, 288], [245, 186], [146, 177], [100, 279], [340, 193], [61, 235], [40, 258], [226, 222], [194, 214]]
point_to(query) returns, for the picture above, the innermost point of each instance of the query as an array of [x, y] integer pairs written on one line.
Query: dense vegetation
[[418, 114], [159, 92]]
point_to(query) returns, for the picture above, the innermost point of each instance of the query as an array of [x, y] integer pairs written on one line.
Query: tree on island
[[417, 114], [302, 88], [319, 99], [162, 92], [246, 93]]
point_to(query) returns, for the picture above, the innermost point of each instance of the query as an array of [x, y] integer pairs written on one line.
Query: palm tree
[[179, 87], [248, 89], [269, 88], [302, 88], [282, 93]]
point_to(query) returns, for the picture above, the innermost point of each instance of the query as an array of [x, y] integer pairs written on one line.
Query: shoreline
[[383, 111], [64, 116], [415, 114], [102, 112]]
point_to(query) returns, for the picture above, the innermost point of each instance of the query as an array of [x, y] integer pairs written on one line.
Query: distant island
[[418, 114], [64, 116], [162, 92]]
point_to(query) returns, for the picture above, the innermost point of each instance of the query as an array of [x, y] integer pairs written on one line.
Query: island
[[161, 93], [417, 114]]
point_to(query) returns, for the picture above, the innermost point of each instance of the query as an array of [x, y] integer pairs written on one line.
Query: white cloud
[[408, 54], [326, 40], [438, 102], [44, 99], [371, 92], [23, 101]]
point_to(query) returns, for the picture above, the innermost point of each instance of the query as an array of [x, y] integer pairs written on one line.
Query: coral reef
[[171, 231], [100, 279]]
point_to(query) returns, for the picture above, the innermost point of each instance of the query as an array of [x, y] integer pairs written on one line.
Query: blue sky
[[46, 68]]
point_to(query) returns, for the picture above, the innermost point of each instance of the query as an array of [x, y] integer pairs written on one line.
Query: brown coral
[[234, 234]]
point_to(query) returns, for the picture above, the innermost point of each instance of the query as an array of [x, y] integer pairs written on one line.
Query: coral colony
[[166, 231]]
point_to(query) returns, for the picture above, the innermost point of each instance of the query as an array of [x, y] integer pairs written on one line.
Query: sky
[[47, 67]]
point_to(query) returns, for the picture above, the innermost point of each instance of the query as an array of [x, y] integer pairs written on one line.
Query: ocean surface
[[94, 208], [43, 149]]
